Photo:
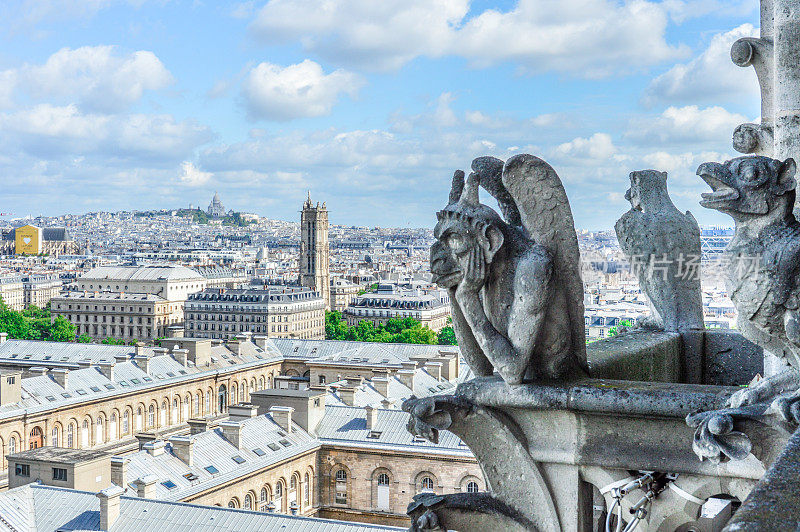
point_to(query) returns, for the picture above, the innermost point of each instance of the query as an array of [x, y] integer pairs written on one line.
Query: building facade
[[39, 291], [32, 240], [427, 304], [278, 311], [342, 292], [216, 209], [12, 291], [120, 315], [314, 249]]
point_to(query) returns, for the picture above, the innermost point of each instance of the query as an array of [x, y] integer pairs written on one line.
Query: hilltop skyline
[[143, 105]]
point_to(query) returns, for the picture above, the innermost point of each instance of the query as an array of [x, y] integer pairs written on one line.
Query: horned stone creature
[[514, 282], [763, 279], [663, 247]]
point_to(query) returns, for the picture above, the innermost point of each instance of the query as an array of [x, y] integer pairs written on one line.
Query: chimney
[[181, 356], [282, 415], [197, 426], [159, 351], [242, 411], [107, 369], [183, 448], [120, 358], [144, 438], [434, 369], [381, 384], [85, 363], [410, 365], [60, 376], [232, 430], [146, 486], [235, 345], [143, 362], [354, 381], [3, 338], [260, 341], [154, 448], [109, 506], [119, 470], [406, 376], [139, 349], [347, 395], [371, 416], [37, 371]]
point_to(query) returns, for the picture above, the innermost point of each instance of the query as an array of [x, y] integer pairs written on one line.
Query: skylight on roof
[[94, 389], [273, 446], [374, 434], [80, 391], [259, 452], [170, 374], [211, 469], [124, 384], [136, 381], [191, 477], [169, 484], [285, 443], [66, 395], [238, 459], [109, 386], [50, 398], [147, 379]]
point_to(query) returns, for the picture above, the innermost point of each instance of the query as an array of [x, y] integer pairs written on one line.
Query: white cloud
[[94, 77], [300, 90], [685, 125], [709, 76], [193, 176], [584, 37], [597, 147], [47, 130]]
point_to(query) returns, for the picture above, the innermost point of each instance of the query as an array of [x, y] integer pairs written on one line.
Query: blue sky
[[111, 105]]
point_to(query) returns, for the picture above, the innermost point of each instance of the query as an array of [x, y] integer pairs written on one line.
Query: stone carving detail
[[663, 247], [763, 281], [514, 282]]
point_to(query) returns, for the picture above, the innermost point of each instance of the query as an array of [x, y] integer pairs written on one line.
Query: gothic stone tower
[[314, 252]]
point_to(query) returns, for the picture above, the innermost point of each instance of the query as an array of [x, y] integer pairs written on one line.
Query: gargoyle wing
[[544, 211], [490, 176]]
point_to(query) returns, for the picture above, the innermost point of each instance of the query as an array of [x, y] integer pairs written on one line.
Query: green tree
[[446, 336], [621, 327], [113, 341], [84, 339]]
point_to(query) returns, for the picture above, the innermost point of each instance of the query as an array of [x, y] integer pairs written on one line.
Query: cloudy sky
[[112, 105]]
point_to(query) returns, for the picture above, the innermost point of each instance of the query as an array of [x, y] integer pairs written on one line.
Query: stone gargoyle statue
[[514, 282], [662, 245], [763, 281]]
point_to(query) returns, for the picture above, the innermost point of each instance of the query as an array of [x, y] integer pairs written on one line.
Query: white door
[[85, 437], [383, 498]]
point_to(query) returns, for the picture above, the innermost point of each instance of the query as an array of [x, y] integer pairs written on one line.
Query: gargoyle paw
[[427, 521], [749, 396]]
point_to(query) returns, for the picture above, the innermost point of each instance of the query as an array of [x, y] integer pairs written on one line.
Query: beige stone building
[[173, 283], [426, 304], [342, 292], [12, 291], [278, 311], [339, 450], [39, 291], [121, 315]]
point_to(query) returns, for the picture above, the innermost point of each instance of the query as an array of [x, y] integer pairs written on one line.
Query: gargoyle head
[[463, 225], [648, 187], [749, 186]]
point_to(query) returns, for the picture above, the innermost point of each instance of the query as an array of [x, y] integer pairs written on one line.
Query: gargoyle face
[[644, 185], [451, 241], [748, 186]]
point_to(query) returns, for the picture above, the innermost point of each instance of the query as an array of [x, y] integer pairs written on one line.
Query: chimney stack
[[109, 506], [197, 426], [146, 486], [434, 369], [183, 448], [260, 341], [37, 371], [143, 362], [235, 345], [181, 356], [232, 430], [119, 470], [371, 416], [406, 376], [107, 369], [282, 415], [242, 411], [381, 384], [154, 448], [139, 349], [85, 363], [60, 376], [354, 381], [347, 395]]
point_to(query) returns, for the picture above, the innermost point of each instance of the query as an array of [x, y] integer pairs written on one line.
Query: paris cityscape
[[288, 265]]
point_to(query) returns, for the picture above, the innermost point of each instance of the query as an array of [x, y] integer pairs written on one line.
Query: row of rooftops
[[278, 294]]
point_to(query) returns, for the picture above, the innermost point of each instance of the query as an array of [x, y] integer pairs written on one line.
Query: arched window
[[223, 398], [71, 436], [306, 490], [54, 437], [340, 496], [196, 410], [151, 416], [248, 502], [125, 422], [426, 484], [472, 487], [278, 490], [232, 503], [383, 479], [293, 483], [12, 445], [264, 499]]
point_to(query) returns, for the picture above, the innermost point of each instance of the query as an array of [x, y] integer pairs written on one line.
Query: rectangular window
[[22, 470], [59, 473]]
